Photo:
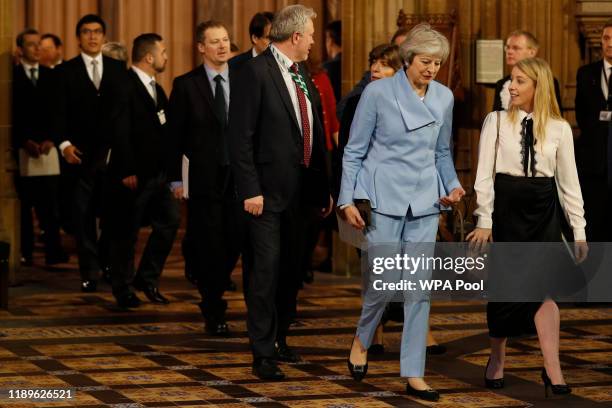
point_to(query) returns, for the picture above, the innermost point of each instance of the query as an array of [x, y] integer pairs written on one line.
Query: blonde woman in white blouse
[[533, 164]]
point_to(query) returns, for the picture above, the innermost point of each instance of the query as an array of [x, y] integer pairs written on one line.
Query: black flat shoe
[[286, 354], [494, 384], [267, 369], [436, 349], [376, 349], [358, 372], [557, 389], [427, 395]]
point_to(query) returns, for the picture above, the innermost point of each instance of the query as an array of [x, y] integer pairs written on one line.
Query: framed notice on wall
[[489, 61]]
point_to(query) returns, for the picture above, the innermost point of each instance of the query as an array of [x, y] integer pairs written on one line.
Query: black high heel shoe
[[358, 372], [557, 389], [494, 384]]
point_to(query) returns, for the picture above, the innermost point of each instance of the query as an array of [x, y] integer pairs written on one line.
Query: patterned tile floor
[[55, 337]]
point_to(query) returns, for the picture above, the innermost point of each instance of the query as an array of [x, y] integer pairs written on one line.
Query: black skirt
[[526, 209]]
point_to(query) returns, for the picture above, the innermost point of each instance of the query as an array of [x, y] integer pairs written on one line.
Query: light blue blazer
[[398, 154]]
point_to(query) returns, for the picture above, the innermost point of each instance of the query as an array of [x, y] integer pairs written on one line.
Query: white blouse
[[556, 160]]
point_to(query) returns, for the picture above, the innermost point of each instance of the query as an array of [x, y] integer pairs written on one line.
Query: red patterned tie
[[304, 115]]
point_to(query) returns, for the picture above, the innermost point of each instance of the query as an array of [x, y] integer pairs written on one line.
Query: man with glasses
[[519, 45], [88, 88]]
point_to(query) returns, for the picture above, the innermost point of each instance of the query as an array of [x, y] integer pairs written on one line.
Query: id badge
[[162, 117], [605, 116]]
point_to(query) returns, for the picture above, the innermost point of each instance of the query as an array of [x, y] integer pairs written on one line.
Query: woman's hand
[[454, 197], [479, 238], [581, 250], [352, 216]]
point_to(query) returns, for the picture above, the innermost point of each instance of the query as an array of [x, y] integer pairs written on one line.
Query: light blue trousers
[[390, 235]]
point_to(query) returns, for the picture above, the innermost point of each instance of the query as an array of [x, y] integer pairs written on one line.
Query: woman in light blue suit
[[398, 158]]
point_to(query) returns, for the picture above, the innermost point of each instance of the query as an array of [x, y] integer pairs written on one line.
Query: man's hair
[[88, 19], [335, 32], [21, 37], [291, 19], [532, 42], [202, 27], [607, 24], [56, 40], [234, 47], [144, 44], [259, 22]]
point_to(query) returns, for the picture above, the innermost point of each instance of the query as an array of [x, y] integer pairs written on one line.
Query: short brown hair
[[607, 24], [202, 27], [532, 42], [387, 52]]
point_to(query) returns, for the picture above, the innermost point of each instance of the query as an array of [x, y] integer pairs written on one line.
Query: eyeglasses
[[87, 31]]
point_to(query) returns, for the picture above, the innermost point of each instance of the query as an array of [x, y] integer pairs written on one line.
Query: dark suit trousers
[[277, 243], [212, 244], [153, 200], [42, 194], [87, 195]]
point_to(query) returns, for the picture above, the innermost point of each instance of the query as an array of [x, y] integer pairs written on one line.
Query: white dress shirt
[[556, 159], [28, 69], [146, 81], [284, 63]]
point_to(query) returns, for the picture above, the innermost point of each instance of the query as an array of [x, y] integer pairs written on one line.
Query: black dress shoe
[[427, 395], [128, 301], [435, 349], [89, 286], [152, 293], [267, 369], [217, 328], [286, 354]]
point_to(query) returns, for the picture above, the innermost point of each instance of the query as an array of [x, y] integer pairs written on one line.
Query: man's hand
[[46, 146], [72, 154], [479, 238], [454, 197], [326, 211], [32, 148], [130, 182], [254, 205], [178, 192], [353, 217]]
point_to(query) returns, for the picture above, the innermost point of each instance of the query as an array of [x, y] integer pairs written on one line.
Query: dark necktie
[[301, 96], [527, 150], [220, 112], [33, 78]]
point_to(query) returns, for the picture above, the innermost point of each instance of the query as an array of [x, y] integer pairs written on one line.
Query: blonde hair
[[545, 106]]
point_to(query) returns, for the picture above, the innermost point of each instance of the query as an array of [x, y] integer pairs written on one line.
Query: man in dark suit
[[520, 44], [259, 30], [594, 145], [37, 155], [138, 178], [277, 147], [198, 111], [51, 50], [88, 88]]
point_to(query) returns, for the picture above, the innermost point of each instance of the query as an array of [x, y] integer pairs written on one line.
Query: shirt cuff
[[484, 223], [64, 145], [176, 184], [579, 234], [343, 206]]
